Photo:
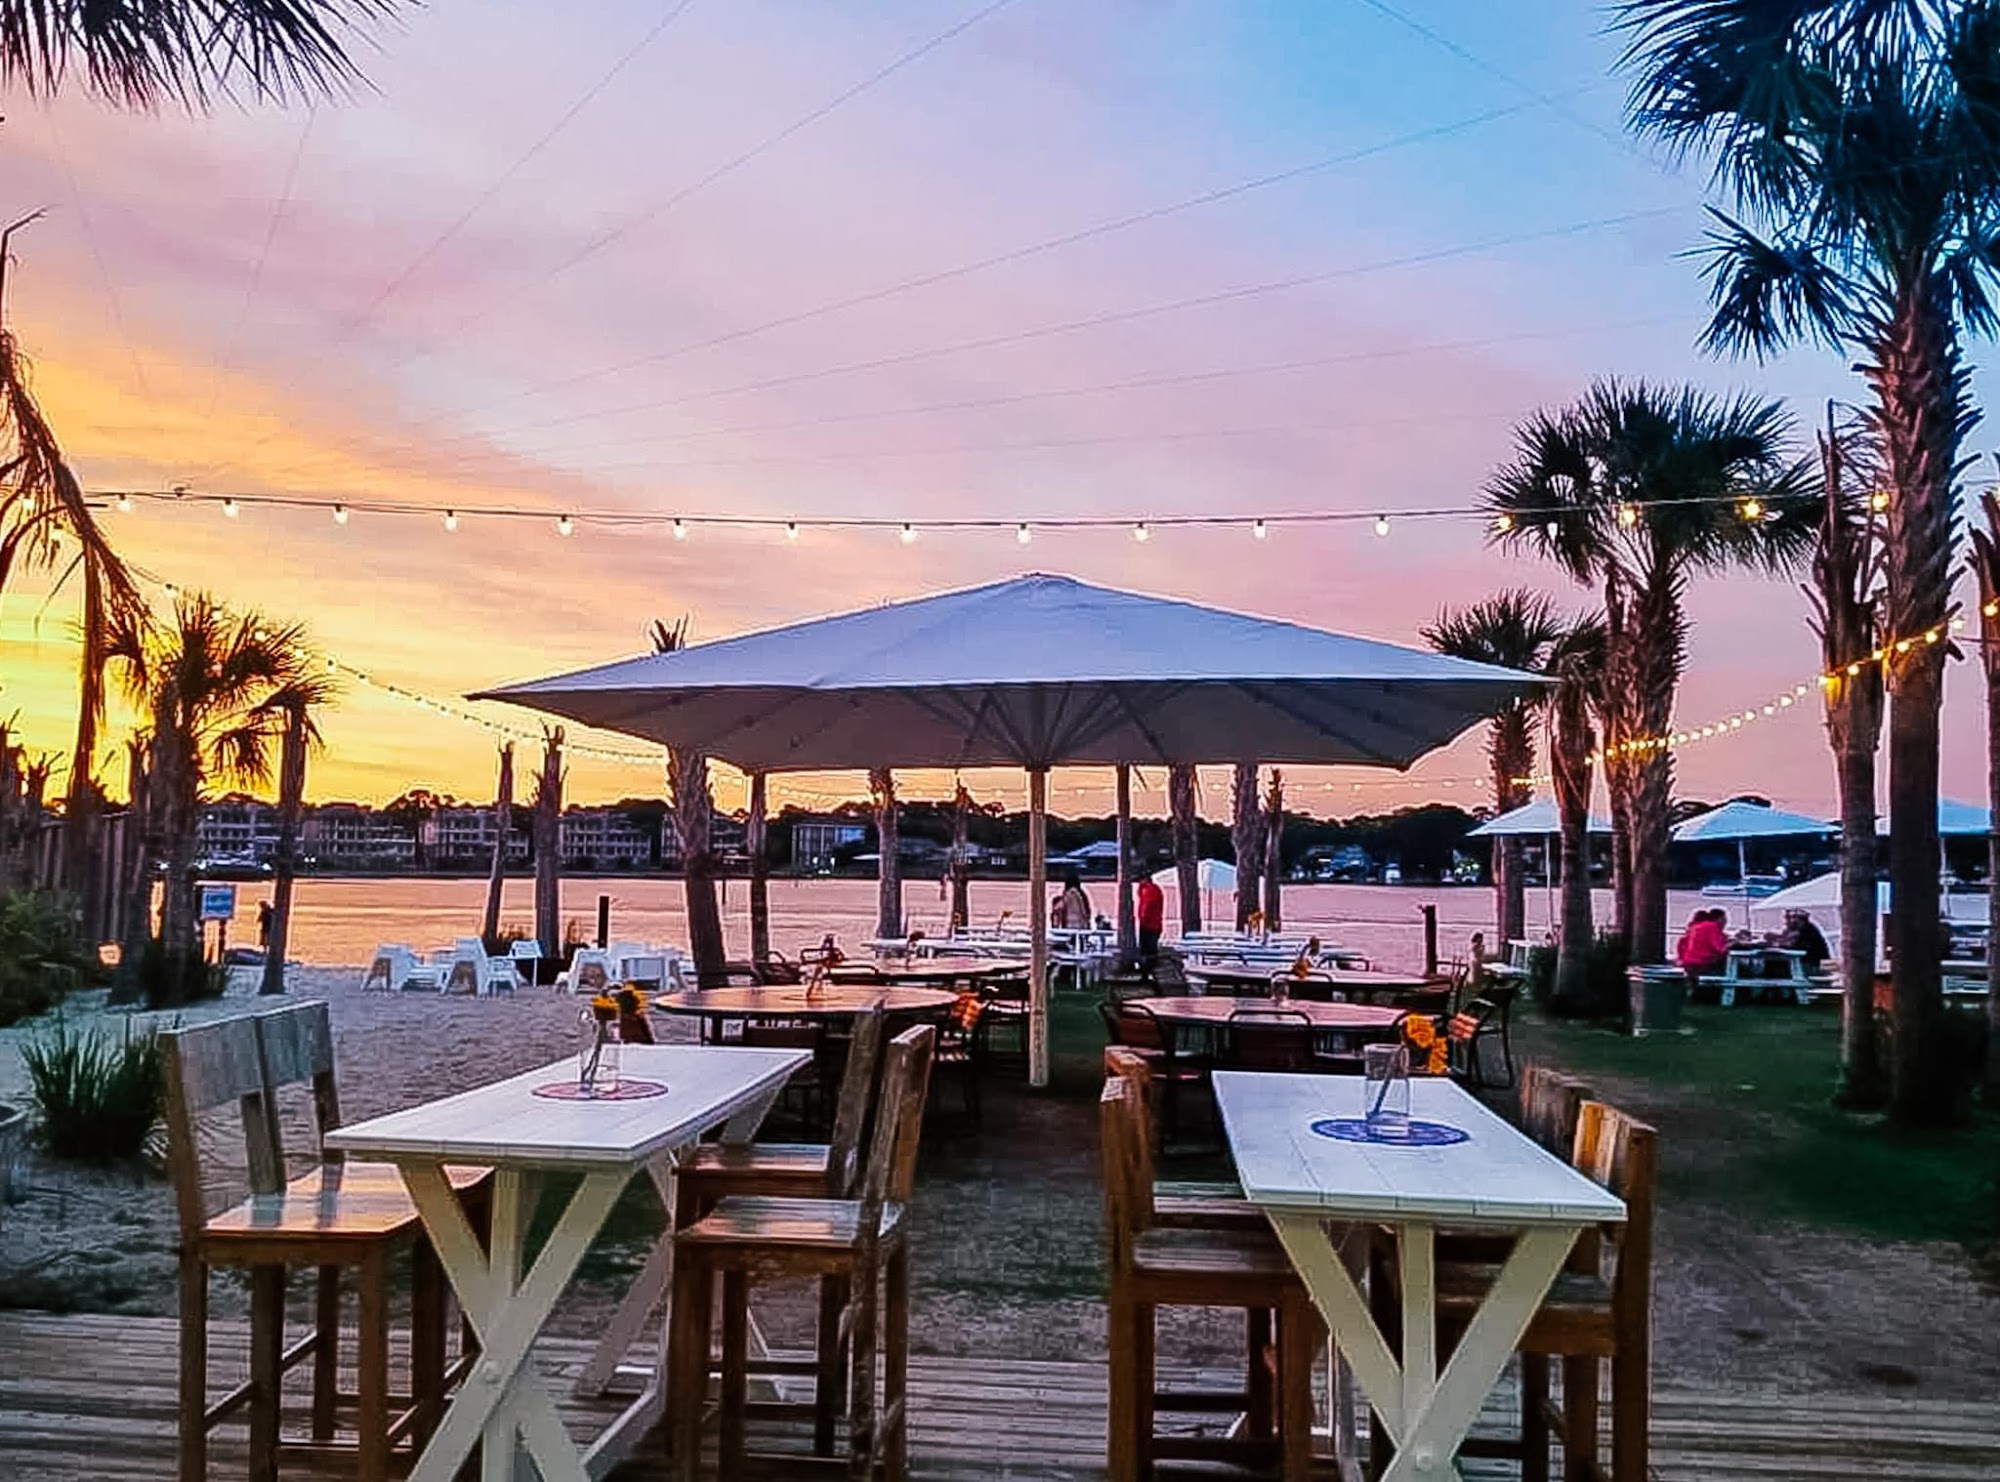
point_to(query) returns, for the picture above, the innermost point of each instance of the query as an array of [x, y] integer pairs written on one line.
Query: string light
[[1023, 534], [124, 504], [791, 529], [1503, 522], [1259, 530], [1381, 524], [340, 514], [451, 519], [229, 508], [1628, 515], [1879, 500], [565, 526], [1751, 509], [1140, 533], [1991, 609], [680, 530], [909, 533]]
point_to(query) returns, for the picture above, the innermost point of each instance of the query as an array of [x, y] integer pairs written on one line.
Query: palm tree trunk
[[1986, 565], [1274, 852], [694, 812], [1861, 1080], [1656, 649], [548, 845], [80, 832], [1613, 725], [142, 832], [1128, 930], [1181, 804], [1246, 838], [503, 825], [760, 870], [889, 863], [1569, 766], [1511, 751], [1920, 415], [291, 802], [179, 804], [961, 862]]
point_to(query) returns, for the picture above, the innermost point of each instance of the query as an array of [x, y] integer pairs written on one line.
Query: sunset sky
[[593, 257]]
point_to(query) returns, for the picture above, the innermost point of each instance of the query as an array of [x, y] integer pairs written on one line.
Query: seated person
[[1802, 935], [1704, 946]]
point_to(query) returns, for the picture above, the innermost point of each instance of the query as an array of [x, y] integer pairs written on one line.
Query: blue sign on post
[[216, 903]]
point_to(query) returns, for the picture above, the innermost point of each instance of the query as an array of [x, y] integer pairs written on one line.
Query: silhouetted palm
[[1860, 140], [1576, 661], [1636, 489], [1516, 629], [142, 53], [293, 709]]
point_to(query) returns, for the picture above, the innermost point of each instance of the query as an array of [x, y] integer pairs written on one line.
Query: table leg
[[1426, 1414], [504, 1398]]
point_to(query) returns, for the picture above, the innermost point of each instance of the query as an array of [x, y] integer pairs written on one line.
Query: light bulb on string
[[1879, 500], [124, 504], [1751, 509], [909, 533], [791, 529], [1381, 524], [1023, 533], [1141, 532], [1260, 531], [451, 519], [680, 530], [1628, 516], [340, 514], [229, 509], [565, 525]]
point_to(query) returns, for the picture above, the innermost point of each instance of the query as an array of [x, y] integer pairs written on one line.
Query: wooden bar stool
[[334, 1218], [1154, 1266], [1181, 1202], [862, 1242]]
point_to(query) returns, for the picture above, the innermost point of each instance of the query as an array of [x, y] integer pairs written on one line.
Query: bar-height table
[[1314, 1187], [524, 1136]]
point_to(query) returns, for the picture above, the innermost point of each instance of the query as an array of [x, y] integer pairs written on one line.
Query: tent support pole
[[1038, 926]]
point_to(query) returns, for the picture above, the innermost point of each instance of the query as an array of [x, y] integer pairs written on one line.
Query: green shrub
[[42, 957], [169, 980], [98, 1096]]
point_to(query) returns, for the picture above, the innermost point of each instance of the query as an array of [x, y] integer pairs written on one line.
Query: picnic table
[[1758, 968], [1317, 1189], [1228, 977], [923, 970], [834, 1000], [1212, 1011], [525, 1135]]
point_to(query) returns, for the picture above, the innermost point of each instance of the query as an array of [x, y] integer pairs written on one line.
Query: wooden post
[[503, 825], [1038, 926], [754, 832], [1128, 930], [1430, 914], [603, 921]]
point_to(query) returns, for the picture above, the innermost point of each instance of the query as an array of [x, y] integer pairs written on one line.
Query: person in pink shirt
[[1704, 946]]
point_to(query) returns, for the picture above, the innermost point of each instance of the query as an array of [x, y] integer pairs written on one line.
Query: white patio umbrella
[[1743, 822], [1537, 819], [1035, 672], [1953, 818], [1210, 875]]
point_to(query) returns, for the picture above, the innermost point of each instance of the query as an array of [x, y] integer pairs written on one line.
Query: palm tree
[[1274, 851], [293, 708], [755, 824], [1516, 629], [888, 858], [1844, 595], [545, 829], [1246, 840], [503, 829], [41, 502], [1637, 489], [1986, 566], [1576, 660], [203, 683], [189, 52], [1861, 143], [694, 822], [1182, 786]]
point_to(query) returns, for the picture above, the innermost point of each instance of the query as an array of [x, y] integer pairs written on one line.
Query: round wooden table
[[1214, 1011], [791, 1001], [1227, 976], [921, 970]]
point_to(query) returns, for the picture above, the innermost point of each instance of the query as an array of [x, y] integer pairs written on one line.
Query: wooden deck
[[92, 1398]]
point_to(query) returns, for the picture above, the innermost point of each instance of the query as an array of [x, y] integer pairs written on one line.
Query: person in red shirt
[[1704, 946], [1152, 906]]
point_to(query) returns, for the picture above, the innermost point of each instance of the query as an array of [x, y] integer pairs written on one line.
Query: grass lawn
[[1744, 1111]]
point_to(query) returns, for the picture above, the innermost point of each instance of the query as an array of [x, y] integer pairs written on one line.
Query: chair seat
[[340, 1201], [1223, 1267], [755, 1159], [1574, 1318], [747, 1222]]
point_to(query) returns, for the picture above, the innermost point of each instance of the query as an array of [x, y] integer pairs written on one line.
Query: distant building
[[604, 839], [817, 841], [351, 834], [237, 828], [465, 835]]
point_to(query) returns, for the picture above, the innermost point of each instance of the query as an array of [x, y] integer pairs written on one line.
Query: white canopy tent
[[1537, 819], [1210, 875], [1743, 822], [1820, 898], [1035, 672]]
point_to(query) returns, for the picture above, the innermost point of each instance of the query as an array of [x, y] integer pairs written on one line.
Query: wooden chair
[[1483, 1021], [338, 1216], [1135, 1027], [1003, 1028], [960, 1053], [1180, 1201], [1154, 1266], [1600, 1308], [1270, 1039], [861, 1242]]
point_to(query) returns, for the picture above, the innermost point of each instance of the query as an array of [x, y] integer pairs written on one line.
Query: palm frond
[[145, 53], [1770, 294]]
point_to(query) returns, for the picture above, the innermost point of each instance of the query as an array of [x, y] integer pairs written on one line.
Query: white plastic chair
[[525, 954], [591, 970], [392, 964], [472, 965]]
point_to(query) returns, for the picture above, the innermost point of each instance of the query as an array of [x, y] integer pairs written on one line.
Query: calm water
[[342, 920]]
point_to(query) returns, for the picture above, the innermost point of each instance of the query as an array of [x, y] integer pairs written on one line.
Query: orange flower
[[604, 1008], [1420, 1031]]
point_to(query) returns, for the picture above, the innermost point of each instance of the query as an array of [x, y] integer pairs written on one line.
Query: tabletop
[[1496, 1177], [507, 1123], [1215, 1009], [790, 1001], [929, 970], [1342, 979]]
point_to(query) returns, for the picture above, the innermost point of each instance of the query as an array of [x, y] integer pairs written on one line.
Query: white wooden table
[[525, 1137], [1314, 1187]]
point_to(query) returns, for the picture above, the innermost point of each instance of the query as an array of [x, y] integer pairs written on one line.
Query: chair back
[[1127, 1153], [1129, 1024], [205, 1067], [1270, 1039], [858, 1083], [1622, 1153], [297, 1045], [1306, 987], [1550, 1103], [899, 1123], [1136, 1069]]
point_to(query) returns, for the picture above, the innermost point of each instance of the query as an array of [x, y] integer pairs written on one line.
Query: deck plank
[[91, 1399]]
